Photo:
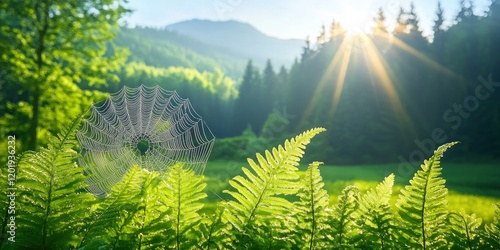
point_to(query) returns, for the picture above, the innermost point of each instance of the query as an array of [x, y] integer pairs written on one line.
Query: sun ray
[[376, 61], [438, 67], [341, 78], [343, 52]]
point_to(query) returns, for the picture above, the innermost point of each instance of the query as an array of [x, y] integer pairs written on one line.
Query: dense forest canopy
[[380, 95]]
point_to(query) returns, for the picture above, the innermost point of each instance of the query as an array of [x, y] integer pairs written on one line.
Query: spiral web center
[[142, 146]]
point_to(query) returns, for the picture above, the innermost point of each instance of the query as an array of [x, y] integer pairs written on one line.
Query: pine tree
[[401, 22], [380, 28], [321, 38], [413, 21], [268, 92], [245, 110], [336, 31], [438, 23]]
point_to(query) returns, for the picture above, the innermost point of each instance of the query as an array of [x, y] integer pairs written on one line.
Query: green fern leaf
[[258, 198], [313, 209], [343, 222], [423, 205], [492, 236], [375, 216], [148, 213], [112, 218], [52, 201], [464, 231], [178, 209], [212, 232]]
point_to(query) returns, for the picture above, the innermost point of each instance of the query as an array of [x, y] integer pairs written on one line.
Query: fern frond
[[148, 212], [212, 232], [464, 231], [313, 211], [375, 216], [52, 201], [112, 217], [492, 236], [343, 222], [259, 195], [179, 205], [423, 205]]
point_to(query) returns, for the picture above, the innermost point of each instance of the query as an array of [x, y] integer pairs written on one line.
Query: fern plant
[[423, 206], [492, 234], [343, 222], [375, 217], [464, 231], [313, 210], [258, 198], [149, 210], [51, 191], [181, 193], [111, 222]]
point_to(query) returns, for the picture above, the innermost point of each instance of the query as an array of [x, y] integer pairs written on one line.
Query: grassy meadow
[[473, 188]]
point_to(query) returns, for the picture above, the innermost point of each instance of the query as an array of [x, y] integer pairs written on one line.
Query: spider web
[[148, 126]]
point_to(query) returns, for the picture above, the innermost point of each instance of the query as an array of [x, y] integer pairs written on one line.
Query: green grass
[[473, 188]]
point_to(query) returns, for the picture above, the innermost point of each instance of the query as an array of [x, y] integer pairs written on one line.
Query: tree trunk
[[34, 120], [42, 15]]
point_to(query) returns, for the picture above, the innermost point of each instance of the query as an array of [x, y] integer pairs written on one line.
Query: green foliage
[[165, 48], [50, 188], [153, 210], [112, 220], [50, 47], [493, 230], [423, 206], [343, 222], [375, 216], [271, 206], [313, 211], [464, 231], [258, 198], [181, 192]]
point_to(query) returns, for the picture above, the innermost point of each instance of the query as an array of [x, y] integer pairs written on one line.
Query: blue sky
[[288, 18]]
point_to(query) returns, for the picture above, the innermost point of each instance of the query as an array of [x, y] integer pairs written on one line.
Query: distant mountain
[[241, 39]]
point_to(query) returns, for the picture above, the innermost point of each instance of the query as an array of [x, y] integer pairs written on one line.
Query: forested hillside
[[163, 48]]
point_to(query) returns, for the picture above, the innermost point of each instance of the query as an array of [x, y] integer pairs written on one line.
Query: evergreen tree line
[[383, 95]]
